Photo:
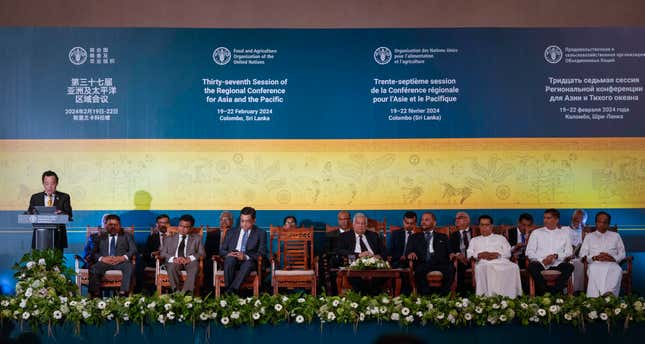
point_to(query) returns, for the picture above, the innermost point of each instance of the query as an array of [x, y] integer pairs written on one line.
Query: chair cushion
[[114, 273], [221, 273], [164, 272], [435, 274], [150, 268], [551, 273], [294, 272]]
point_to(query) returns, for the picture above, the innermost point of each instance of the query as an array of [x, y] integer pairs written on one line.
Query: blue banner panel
[[321, 84]]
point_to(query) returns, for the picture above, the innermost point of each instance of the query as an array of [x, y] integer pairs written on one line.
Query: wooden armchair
[[294, 264], [162, 278], [434, 278], [626, 282], [252, 281], [112, 278], [380, 228]]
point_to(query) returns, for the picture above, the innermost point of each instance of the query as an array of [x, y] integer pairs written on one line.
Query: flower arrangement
[[46, 296], [369, 263]]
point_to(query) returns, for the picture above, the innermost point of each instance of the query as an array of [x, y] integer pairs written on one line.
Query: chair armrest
[[316, 266], [629, 261]]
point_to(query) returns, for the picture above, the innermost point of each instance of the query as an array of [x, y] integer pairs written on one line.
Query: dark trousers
[[421, 270], [236, 271], [462, 286], [98, 271], [536, 268]]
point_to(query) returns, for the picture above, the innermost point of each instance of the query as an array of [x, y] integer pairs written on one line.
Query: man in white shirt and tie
[[458, 245], [603, 250], [549, 247]]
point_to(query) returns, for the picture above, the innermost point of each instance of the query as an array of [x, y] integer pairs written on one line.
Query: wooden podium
[[45, 228]]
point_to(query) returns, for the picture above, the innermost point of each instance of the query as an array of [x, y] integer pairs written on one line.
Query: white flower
[[502, 317], [28, 292], [213, 315], [170, 315], [495, 306], [478, 310], [23, 303], [361, 316], [524, 305], [394, 316], [127, 304], [161, 319], [608, 299], [152, 305], [86, 314], [385, 300], [559, 301], [382, 310], [256, 316], [223, 303], [335, 303], [553, 309], [504, 304], [541, 312], [331, 316], [242, 302], [110, 316], [167, 306], [30, 265], [353, 305], [301, 300], [64, 309], [126, 317], [430, 306], [224, 321], [458, 304], [257, 303], [451, 318], [300, 319], [623, 305], [235, 315], [604, 316], [468, 316], [285, 299], [420, 314], [440, 316], [409, 318], [277, 307], [4, 303], [26, 315], [567, 316], [405, 311], [101, 305], [592, 315], [41, 261], [203, 316], [617, 311]]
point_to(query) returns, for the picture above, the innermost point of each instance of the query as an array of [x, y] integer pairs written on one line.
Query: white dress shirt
[[357, 247], [238, 247], [544, 242]]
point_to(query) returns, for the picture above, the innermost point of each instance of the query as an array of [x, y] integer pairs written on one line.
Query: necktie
[[464, 241], [522, 237], [112, 250], [407, 237], [429, 241], [49, 200], [182, 246], [245, 238], [360, 242]]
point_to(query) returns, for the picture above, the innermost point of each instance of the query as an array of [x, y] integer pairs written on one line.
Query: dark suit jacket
[[125, 245], [417, 243], [193, 246], [397, 244], [153, 243], [455, 241], [513, 237], [347, 243], [212, 245], [256, 244], [63, 203], [331, 241]]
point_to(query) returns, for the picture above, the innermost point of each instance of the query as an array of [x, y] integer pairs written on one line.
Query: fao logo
[[77, 56], [221, 56], [553, 54], [382, 55]]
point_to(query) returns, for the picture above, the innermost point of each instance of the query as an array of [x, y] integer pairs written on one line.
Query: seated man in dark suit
[[331, 258], [357, 243], [156, 239], [242, 247], [113, 251], [458, 245], [212, 246], [182, 252], [430, 251], [517, 238], [399, 240], [52, 198]]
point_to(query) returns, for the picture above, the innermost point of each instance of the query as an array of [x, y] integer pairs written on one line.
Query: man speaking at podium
[[52, 198]]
